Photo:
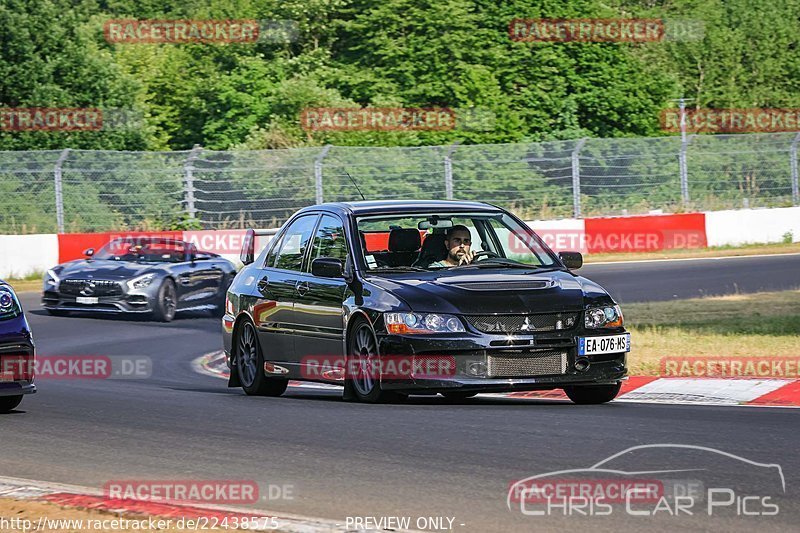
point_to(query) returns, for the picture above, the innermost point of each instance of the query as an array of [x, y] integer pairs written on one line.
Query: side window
[[329, 240], [294, 244], [270, 260]]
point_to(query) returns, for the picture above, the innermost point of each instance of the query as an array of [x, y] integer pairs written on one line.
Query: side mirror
[[572, 260], [327, 267], [247, 255], [89, 252]]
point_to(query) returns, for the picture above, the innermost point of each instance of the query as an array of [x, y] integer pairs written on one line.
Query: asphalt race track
[[653, 281], [422, 458]]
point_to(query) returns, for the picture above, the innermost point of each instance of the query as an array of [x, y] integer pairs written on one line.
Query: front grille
[[90, 287], [525, 364], [522, 323]]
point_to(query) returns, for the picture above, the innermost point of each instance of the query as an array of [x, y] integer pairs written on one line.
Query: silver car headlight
[[142, 281], [422, 323], [9, 305], [609, 316]]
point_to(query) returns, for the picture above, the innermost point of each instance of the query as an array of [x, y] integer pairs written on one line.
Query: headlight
[[142, 281], [51, 280], [422, 323], [603, 317], [9, 306]]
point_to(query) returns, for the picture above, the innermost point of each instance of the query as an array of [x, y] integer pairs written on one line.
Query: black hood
[[493, 291], [103, 269]]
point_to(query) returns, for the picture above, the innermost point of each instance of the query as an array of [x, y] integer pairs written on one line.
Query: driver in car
[[458, 241]]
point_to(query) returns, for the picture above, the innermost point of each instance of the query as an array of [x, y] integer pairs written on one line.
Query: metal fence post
[[59, 190], [448, 171], [793, 153], [576, 178], [684, 170], [188, 175], [318, 172]]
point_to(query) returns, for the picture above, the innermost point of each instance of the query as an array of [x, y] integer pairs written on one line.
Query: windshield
[[144, 250], [430, 242]]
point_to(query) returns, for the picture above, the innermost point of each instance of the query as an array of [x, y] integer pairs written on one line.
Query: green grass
[[763, 324], [683, 253]]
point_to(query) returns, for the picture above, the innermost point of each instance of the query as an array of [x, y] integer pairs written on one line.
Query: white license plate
[[601, 345], [86, 299]]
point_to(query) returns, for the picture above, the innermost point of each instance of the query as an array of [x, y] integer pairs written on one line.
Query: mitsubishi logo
[[526, 325], [88, 288]]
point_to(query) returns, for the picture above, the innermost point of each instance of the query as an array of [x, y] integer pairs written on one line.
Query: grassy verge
[[763, 324], [31, 282], [714, 251]]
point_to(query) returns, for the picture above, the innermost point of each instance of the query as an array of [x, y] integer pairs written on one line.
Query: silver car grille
[[526, 364], [522, 323], [90, 287]]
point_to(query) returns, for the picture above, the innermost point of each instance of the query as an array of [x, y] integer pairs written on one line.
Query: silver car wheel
[[169, 301], [364, 353], [247, 356]]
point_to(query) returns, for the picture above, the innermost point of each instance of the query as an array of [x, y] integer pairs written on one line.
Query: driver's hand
[[466, 258]]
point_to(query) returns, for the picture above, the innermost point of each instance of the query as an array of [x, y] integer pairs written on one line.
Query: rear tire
[[250, 365], [592, 394], [166, 303], [362, 347], [9, 403]]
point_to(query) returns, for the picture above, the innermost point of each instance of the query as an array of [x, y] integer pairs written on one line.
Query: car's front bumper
[[132, 302], [472, 349]]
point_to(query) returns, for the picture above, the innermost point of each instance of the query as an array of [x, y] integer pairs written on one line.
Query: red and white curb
[[93, 499], [753, 392]]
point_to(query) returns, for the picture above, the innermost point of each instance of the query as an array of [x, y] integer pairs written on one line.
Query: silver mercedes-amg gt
[[153, 276]]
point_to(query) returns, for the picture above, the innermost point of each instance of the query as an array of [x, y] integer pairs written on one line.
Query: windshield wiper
[[499, 262]]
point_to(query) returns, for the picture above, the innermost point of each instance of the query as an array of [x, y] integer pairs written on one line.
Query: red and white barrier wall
[[21, 255]]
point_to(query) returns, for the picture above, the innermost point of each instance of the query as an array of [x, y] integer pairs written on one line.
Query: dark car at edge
[[368, 282], [16, 351]]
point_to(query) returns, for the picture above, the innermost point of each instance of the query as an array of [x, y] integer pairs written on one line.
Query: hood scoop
[[520, 285]]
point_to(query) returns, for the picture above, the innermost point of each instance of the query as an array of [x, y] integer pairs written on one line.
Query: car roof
[[377, 207]]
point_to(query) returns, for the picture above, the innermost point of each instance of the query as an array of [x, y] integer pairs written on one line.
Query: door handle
[[301, 287], [263, 284]]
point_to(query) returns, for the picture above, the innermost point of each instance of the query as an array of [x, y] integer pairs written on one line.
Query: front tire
[[250, 366], [362, 350], [592, 394], [166, 303], [9, 403]]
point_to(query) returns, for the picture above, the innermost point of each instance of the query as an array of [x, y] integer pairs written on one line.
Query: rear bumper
[[17, 388], [17, 352]]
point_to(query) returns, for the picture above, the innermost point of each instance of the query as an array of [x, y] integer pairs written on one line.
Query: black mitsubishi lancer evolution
[[392, 298]]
